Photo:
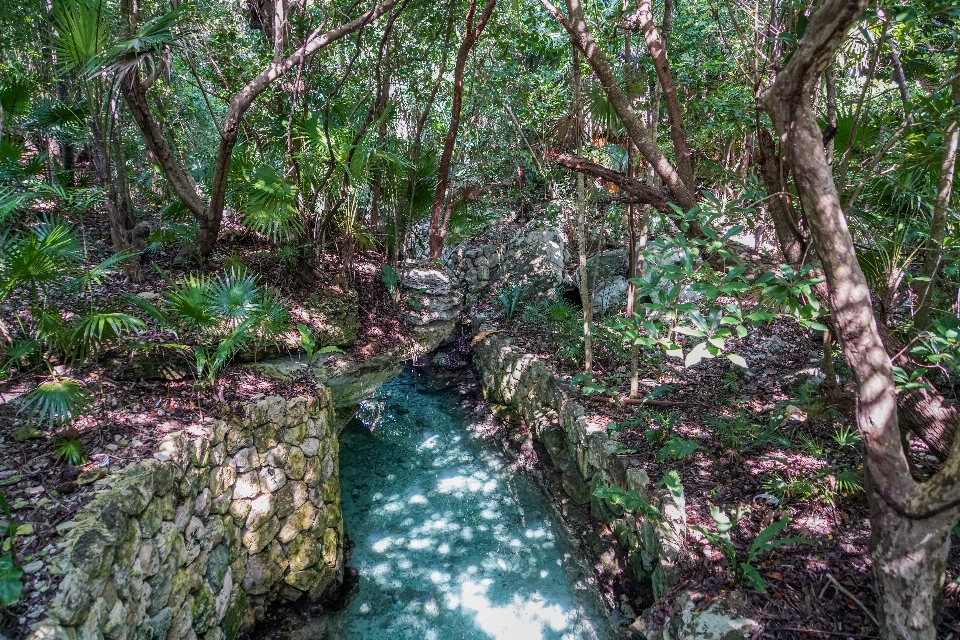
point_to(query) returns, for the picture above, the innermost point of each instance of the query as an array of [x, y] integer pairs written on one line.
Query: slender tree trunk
[[933, 248], [585, 296], [438, 216], [910, 522], [581, 204], [830, 80], [382, 102], [657, 47]]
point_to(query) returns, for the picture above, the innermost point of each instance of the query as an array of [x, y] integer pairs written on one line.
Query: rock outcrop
[[716, 621], [334, 315], [533, 259], [432, 302], [196, 542]]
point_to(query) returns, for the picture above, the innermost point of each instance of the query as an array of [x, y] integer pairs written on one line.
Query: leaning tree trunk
[[910, 522], [440, 215], [933, 251]]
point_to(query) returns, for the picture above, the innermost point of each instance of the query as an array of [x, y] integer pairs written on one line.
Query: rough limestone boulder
[[334, 315], [432, 302], [714, 622], [607, 272], [535, 260], [351, 381]]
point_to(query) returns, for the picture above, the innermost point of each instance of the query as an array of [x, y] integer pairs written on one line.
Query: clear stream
[[449, 543]]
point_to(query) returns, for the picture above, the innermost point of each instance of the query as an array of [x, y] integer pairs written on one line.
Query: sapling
[[765, 541]]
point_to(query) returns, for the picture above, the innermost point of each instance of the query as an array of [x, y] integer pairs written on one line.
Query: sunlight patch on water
[[449, 545]]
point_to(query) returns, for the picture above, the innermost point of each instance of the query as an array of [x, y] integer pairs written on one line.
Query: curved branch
[[576, 27], [638, 192]]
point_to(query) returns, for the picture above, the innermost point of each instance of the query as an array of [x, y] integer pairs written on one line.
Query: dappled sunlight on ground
[[449, 544]]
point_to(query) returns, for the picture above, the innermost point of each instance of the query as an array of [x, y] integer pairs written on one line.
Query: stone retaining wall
[[196, 542], [585, 457], [477, 268]]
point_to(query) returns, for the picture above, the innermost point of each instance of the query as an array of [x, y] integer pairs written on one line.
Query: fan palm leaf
[[81, 31], [57, 402]]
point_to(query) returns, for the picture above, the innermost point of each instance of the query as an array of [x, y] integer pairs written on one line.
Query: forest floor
[[808, 468], [129, 417], [821, 590]]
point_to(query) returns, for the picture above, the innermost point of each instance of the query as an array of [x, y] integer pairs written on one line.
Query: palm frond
[[232, 297], [269, 204], [189, 303], [37, 259], [95, 330], [82, 31], [50, 328], [57, 402], [147, 47], [15, 95], [17, 351]]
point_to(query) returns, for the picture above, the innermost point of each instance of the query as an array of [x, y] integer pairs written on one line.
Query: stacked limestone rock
[[432, 302], [584, 456], [195, 543], [477, 268]]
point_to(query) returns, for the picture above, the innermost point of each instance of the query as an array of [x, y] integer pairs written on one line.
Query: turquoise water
[[449, 542]]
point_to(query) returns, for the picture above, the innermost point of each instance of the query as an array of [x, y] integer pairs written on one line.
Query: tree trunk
[[209, 217], [119, 214], [658, 54], [933, 249], [576, 27], [581, 198], [910, 522], [909, 560], [438, 215]]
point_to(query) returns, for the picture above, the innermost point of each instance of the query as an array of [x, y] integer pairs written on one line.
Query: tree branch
[[638, 192]]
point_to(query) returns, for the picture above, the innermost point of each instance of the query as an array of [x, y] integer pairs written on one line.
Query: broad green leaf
[[754, 577], [737, 360]]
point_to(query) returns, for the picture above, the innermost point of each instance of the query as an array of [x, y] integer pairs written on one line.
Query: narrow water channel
[[449, 542]]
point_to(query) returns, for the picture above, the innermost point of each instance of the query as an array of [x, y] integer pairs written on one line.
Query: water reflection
[[449, 545]]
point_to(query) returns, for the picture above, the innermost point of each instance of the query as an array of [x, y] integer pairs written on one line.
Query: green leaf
[[677, 448], [330, 349], [754, 577], [672, 482], [660, 391], [737, 360], [307, 340], [721, 519], [771, 531], [11, 585], [388, 275], [698, 353]]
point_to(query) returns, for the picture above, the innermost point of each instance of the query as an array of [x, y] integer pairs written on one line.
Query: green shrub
[[222, 313]]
